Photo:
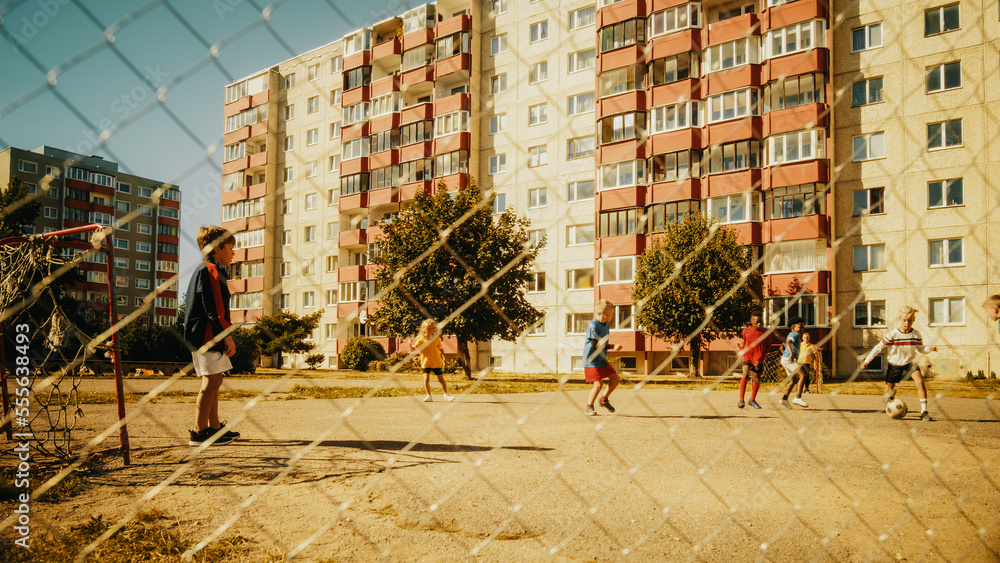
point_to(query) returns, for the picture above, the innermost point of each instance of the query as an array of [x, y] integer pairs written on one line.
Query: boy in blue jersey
[[790, 361], [596, 367]]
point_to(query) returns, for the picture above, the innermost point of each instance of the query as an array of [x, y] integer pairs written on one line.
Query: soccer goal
[[57, 311]]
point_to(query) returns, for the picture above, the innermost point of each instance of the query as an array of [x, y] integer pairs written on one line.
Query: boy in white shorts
[[789, 361]]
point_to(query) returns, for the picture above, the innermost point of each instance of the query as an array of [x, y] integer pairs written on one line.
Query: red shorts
[[597, 374]]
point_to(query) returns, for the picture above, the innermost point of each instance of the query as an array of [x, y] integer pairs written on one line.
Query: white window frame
[[778, 147], [623, 268], [673, 117], [538, 114], [538, 31], [735, 104], [538, 72], [816, 37], [498, 164], [573, 103], [944, 247], [868, 33], [573, 191], [869, 315], [944, 125], [626, 173], [939, 70], [581, 60], [945, 187], [714, 57], [498, 123], [932, 315], [538, 156], [498, 83], [538, 198], [879, 141], [752, 206], [498, 44], [674, 19], [808, 255], [871, 253], [576, 19], [578, 235]]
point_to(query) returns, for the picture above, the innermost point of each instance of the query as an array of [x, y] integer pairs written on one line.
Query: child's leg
[[918, 378], [613, 382], [427, 381], [790, 386], [801, 374], [594, 391], [444, 386], [207, 404], [743, 381], [754, 383], [890, 389]]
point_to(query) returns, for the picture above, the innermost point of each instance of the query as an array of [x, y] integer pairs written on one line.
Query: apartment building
[[604, 123], [76, 190]]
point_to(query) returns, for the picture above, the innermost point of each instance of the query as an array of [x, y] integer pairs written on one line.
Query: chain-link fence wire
[[978, 541]]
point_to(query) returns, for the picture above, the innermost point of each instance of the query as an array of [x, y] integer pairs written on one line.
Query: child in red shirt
[[755, 344]]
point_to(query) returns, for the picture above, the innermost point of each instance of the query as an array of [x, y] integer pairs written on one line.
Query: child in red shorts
[[596, 367]]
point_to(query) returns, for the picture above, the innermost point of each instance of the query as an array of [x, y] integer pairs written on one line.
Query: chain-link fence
[[846, 144]]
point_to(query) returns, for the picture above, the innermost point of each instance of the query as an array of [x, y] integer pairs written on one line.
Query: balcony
[[382, 196], [625, 245], [356, 237], [354, 166], [688, 89], [633, 100], [748, 232], [793, 12], [730, 29], [623, 57], [259, 159], [417, 38], [383, 123], [355, 95], [620, 12], [362, 58], [258, 190], [816, 282], [417, 112], [805, 116], [383, 158], [409, 191], [674, 43], [731, 182], [453, 182], [453, 103], [678, 140], [453, 142], [808, 172], [353, 201], [391, 48], [623, 150], [415, 151], [351, 273], [673, 190], [797, 228], [417, 75], [621, 198], [451, 65], [236, 106], [733, 130], [385, 85], [232, 196], [628, 340], [454, 24], [805, 62], [614, 292], [731, 79]]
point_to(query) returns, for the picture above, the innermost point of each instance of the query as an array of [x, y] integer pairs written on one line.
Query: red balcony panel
[[812, 282], [354, 166], [418, 112], [453, 182], [232, 108], [452, 142], [384, 158], [72, 223], [614, 292], [621, 103], [232, 196], [374, 230], [415, 151], [674, 43], [797, 173], [107, 209], [256, 222], [625, 245], [255, 253], [620, 58], [77, 204], [621, 198], [258, 190], [805, 116], [732, 79], [451, 65], [79, 184], [673, 191], [383, 123], [797, 228], [168, 221], [237, 286], [462, 22], [364, 58], [627, 340], [620, 12], [409, 191], [355, 95], [660, 345], [355, 131], [748, 233], [622, 150], [255, 284], [814, 60], [674, 92], [371, 272], [673, 141], [348, 310], [236, 136], [235, 226], [794, 12], [383, 196], [452, 103], [260, 98], [105, 190], [417, 38], [167, 203], [734, 130], [165, 275], [730, 29], [392, 47], [236, 165], [417, 75], [258, 129], [238, 316], [168, 239], [259, 159], [239, 255], [351, 273], [166, 311], [384, 86], [353, 201], [167, 257], [731, 182]]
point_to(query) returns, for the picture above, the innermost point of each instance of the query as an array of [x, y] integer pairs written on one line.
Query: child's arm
[[875, 352]]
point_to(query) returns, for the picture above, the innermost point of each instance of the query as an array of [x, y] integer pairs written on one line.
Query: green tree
[[17, 208], [448, 255], [708, 297], [247, 350], [286, 332]]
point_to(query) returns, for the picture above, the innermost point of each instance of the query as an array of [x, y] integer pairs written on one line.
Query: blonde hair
[[907, 312], [602, 305], [212, 238], [425, 329], [992, 301]]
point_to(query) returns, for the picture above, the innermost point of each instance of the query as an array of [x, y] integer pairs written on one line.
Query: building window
[[499, 203], [730, 157], [536, 237], [618, 223], [455, 122], [812, 308], [284, 301], [51, 213], [866, 37], [674, 68], [498, 164], [662, 215], [539, 72], [311, 201], [946, 311], [312, 136], [356, 113], [312, 104], [582, 190], [536, 284], [418, 132], [578, 235], [498, 123], [864, 92], [732, 54], [455, 162], [622, 127], [945, 193], [581, 18], [581, 278], [335, 97], [142, 265], [355, 148], [121, 187], [331, 297], [498, 83], [946, 252], [288, 174], [141, 284], [580, 147], [312, 169], [580, 60], [736, 208], [539, 31], [795, 256], [144, 247], [335, 130], [538, 156], [580, 103], [869, 314], [732, 105], [795, 201], [498, 44], [795, 38], [286, 269], [577, 323], [144, 229], [336, 64], [537, 198], [675, 19], [944, 135], [941, 20], [623, 174], [309, 267], [792, 147], [621, 80], [869, 258], [944, 77], [869, 147], [289, 143], [286, 237], [289, 112], [622, 34], [499, 6], [622, 319], [27, 166], [538, 114], [357, 77], [330, 331], [310, 233]]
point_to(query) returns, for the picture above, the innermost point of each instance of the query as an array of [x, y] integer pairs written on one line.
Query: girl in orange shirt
[[431, 357]]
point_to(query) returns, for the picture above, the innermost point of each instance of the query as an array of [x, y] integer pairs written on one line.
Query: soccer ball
[[896, 408]]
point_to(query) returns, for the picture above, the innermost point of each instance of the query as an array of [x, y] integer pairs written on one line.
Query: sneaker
[[606, 404], [785, 403], [740, 404], [590, 411], [230, 433], [798, 401], [428, 399], [198, 437], [926, 416], [754, 404], [448, 397]]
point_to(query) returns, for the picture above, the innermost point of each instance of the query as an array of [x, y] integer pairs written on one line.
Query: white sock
[[923, 405]]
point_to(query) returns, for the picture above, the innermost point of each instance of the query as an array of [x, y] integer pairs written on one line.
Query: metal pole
[[115, 351]]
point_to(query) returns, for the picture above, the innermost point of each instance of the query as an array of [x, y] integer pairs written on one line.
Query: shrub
[[398, 359], [315, 360], [359, 352], [451, 366], [247, 351]]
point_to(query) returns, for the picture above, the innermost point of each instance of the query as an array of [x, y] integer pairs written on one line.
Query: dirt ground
[[672, 475]]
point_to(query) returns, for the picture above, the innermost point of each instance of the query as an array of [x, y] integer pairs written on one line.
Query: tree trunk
[[463, 358], [695, 371]]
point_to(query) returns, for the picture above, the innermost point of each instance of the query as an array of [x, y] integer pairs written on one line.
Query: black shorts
[[756, 368], [437, 371], [895, 374]]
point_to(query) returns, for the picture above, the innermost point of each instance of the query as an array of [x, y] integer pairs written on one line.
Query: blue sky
[[158, 46]]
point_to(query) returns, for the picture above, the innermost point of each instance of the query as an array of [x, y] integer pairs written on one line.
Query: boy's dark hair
[[794, 321], [757, 313], [210, 238]]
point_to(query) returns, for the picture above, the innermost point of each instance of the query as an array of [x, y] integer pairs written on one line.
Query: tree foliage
[[361, 351], [447, 254], [286, 332], [17, 208], [247, 350], [708, 297]]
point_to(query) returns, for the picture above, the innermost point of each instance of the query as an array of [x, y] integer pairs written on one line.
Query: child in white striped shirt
[[903, 343]]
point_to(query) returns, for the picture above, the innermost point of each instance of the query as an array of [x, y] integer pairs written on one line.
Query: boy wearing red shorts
[[596, 367]]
